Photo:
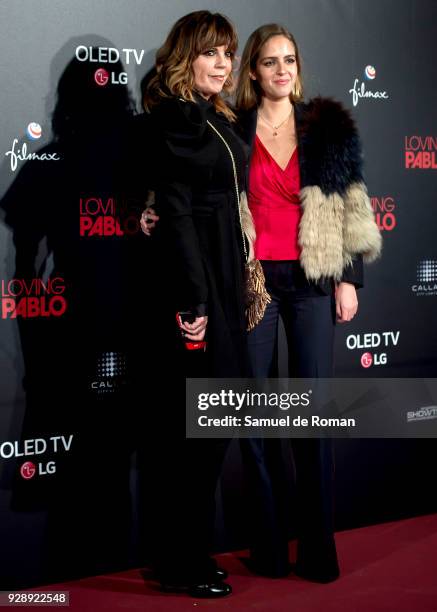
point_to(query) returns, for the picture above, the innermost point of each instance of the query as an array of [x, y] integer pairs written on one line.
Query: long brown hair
[[190, 36], [249, 92]]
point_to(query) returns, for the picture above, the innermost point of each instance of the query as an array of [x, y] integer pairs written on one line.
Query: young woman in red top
[[313, 225]]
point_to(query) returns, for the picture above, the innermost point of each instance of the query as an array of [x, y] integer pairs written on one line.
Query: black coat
[[315, 130], [198, 238]]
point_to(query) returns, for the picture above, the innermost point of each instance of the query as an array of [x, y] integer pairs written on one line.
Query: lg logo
[[366, 360], [373, 340], [101, 77], [29, 469]]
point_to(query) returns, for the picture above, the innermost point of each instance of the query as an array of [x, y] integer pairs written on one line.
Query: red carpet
[[385, 568]]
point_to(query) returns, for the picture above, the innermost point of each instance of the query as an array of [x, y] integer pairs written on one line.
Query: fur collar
[[329, 146]]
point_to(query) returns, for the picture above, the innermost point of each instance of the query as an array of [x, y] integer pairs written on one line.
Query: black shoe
[[207, 590]]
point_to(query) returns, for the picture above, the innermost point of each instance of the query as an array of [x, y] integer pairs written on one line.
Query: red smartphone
[[186, 316]]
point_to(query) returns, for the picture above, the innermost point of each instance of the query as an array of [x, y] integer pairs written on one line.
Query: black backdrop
[[73, 489]]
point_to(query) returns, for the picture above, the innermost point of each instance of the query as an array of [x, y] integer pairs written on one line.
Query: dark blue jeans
[[308, 315]]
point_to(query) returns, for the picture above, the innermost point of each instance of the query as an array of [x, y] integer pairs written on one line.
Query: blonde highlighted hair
[[249, 92], [190, 36]]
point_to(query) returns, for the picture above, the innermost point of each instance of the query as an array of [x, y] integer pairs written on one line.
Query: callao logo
[[375, 341], [420, 152], [111, 372], [20, 154], [426, 278], [108, 217], [359, 90], [109, 55], [30, 298], [384, 209]]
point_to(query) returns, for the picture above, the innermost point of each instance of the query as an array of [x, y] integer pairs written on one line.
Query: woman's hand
[[346, 302], [195, 331], [148, 220]]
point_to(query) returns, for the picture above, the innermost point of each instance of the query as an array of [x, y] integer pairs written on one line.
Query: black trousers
[[309, 319], [179, 475]]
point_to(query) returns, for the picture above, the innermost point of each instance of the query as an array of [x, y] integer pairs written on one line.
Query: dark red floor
[[385, 568]]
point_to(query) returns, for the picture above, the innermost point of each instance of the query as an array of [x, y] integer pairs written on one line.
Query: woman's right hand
[[195, 331], [148, 220]]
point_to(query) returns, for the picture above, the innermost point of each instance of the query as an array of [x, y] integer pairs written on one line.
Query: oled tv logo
[[31, 298], [33, 447], [109, 55], [420, 152], [426, 278], [108, 217], [19, 153], [110, 372], [374, 340], [360, 91], [385, 213]]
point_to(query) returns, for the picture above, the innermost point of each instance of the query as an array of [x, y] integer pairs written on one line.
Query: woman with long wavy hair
[[198, 269]]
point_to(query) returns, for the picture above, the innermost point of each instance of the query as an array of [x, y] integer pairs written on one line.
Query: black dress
[[198, 266]]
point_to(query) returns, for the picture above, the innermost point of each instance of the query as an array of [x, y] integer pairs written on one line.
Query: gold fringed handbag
[[256, 298]]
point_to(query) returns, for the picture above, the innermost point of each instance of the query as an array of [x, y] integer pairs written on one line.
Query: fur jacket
[[337, 230]]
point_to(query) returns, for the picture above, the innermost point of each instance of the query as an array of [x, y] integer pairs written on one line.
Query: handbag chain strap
[[237, 191]]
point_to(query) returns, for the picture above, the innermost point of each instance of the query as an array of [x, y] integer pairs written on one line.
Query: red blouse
[[274, 203]]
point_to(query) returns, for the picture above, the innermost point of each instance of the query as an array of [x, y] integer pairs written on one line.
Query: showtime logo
[[420, 152], [425, 413], [31, 298], [374, 341], [359, 90], [104, 217], [426, 278], [384, 209], [109, 55]]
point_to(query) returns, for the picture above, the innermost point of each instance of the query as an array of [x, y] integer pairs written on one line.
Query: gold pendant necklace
[[275, 127]]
